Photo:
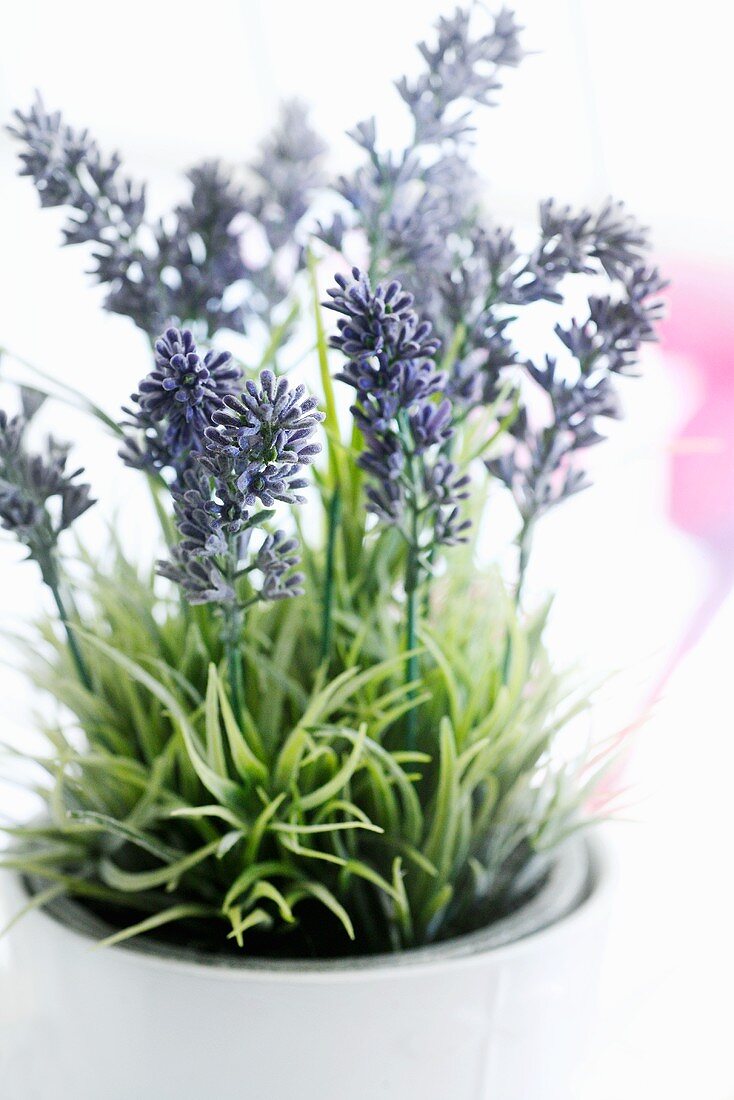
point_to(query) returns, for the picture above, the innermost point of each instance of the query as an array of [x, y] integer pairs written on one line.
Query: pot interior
[[571, 879]]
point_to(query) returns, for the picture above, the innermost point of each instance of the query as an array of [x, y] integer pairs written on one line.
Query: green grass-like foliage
[[308, 830]]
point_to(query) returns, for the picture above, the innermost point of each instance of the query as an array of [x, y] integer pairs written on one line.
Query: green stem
[[327, 622], [525, 541], [158, 488], [236, 683], [412, 576], [233, 621], [426, 597], [411, 665], [50, 576]]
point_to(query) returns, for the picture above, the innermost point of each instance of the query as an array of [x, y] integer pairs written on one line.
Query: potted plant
[[306, 783]]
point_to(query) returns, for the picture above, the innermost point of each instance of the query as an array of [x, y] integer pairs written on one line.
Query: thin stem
[[327, 622], [524, 541], [426, 596], [233, 617], [50, 576], [234, 671], [158, 487], [68, 394], [411, 666], [412, 578]]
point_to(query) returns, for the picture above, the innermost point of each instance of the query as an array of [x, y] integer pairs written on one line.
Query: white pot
[[478, 1018]]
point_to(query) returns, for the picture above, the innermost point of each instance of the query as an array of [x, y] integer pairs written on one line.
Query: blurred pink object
[[698, 336], [700, 331]]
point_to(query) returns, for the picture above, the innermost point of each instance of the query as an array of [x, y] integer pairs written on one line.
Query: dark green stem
[[51, 577], [327, 621], [236, 686], [233, 622], [411, 665], [158, 488], [412, 578]]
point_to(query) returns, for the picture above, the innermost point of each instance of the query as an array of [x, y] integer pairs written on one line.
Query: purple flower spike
[[400, 409]]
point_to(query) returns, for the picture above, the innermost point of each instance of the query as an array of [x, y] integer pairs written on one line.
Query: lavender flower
[[69, 170], [39, 497], [389, 349], [481, 294], [187, 267], [411, 207], [184, 389], [420, 214], [420, 209], [405, 421], [288, 169], [569, 241], [198, 561], [610, 338], [176, 402], [208, 220], [255, 447], [284, 178], [459, 67], [276, 559], [53, 157], [265, 436], [445, 487], [199, 518], [400, 409], [541, 469], [201, 579]]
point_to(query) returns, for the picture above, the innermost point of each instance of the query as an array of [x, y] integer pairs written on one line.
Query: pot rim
[[578, 887]]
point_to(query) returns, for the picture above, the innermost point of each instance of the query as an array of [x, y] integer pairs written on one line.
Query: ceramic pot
[[499, 1014]]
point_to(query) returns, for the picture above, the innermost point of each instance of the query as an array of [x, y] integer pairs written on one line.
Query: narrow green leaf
[[36, 902], [331, 418], [258, 829], [166, 916], [338, 782], [252, 874], [252, 920], [266, 890], [224, 790], [131, 881], [220, 812], [107, 824], [332, 827], [214, 743], [363, 870], [248, 766], [439, 846]]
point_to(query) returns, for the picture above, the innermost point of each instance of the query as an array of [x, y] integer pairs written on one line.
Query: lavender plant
[[190, 266], [175, 404], [404, 420], [419, 214], [325, 729], [39, 500]]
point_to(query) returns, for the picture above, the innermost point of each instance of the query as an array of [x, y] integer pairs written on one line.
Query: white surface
[[668, 988]]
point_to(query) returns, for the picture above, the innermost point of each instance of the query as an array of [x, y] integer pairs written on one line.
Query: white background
[[632, 98]]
